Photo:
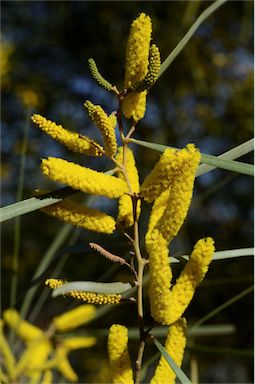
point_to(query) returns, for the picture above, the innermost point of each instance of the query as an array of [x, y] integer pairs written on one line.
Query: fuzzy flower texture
[[42, 355], [169, 187]]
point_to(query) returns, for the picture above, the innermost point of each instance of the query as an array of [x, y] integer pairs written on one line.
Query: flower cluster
[[169, 187], [46, 350]]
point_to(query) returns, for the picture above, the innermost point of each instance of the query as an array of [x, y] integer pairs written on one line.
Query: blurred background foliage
[[205, 97]]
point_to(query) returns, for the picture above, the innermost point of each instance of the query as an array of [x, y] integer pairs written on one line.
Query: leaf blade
[[177, 370], [92, 286]]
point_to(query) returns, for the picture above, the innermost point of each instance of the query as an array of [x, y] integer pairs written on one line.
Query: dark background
[[205, 97]]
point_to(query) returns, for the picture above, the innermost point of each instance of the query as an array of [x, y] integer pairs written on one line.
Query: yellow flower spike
[[81, 216], [47, 377], [120, 365], [106, 125], [73, 343], [63, 365], [190, 277], [175, 344], [173, 165], [95, 298], [166, 305], [113, 120], [7, 355], [72, 140], [25, 330], [134, 105], [83, 179], [160, 177], [181, 192], [4, 379], [33, 359], [54, 283], [88, 297], [156, 212], [74, 318], [125, 214], [137, 52], [160, 277], [153, 70]]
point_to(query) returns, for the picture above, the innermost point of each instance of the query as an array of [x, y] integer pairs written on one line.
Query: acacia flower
[[7, 354], [181, 190], [60, 357], [153, 70], [106, 124], [26, 331], [137, 51], [88, 297], [172, 164], [82, 178], [74, 318], [156, 212], [125, 213], [167, 305], [72, 140], [81, 216], [134, 105], [47, 377], [120, 365], [33, 359], [61, 363], [174, 345], [73, 343]]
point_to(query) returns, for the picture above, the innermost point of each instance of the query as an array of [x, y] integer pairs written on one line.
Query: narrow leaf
[[179, 373], [92, 286], [220, 255], [34, 203], [206, 13], [222, 307], [213, 161]]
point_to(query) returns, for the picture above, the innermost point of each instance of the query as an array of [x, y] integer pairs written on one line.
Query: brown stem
[[140, 260]]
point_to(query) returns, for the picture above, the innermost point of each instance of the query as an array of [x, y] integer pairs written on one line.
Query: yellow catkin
[[73, 343], [72, 140], [160, 277], [137, 51], [172, 164], [106, 124], [153, 70], [175, 344], [157, 211], [81, 216], [167, 305], [47, 377], [160, 177], [190, 277], [83, 179], [179, 200], [54, 283], [74, 318], [120, 366], [25, 330], [33, 359], [95, 298], [134, 105], [88, 297], [125, 213], [61, 362], [7, 355]]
